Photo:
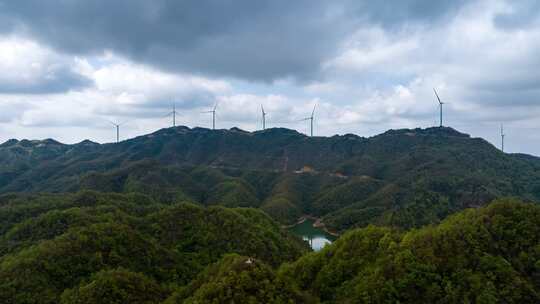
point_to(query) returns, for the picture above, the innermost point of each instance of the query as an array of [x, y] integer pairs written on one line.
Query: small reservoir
[[316, 237]]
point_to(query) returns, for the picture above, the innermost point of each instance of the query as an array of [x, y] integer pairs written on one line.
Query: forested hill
[[127, 248], [402, 177], [90, 247], [484, 255], [272, 149]]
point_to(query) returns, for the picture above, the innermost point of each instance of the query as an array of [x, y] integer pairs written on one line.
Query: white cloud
[[372, 50], [128, 77], [27, 67]]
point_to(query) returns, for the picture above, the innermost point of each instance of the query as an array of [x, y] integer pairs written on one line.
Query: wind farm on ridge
[[311, 119]]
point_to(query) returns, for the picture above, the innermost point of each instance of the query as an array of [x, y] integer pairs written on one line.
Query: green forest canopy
[[402, 178], [112, 248]]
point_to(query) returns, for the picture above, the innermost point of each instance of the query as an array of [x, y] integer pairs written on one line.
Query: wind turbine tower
[[311, 119], [213, 111], [440, 107], [173, 113], [263, 117], [502, 137], [117, 126]]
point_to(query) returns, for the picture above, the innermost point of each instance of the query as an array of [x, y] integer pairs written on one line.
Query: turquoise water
[[316, 237]]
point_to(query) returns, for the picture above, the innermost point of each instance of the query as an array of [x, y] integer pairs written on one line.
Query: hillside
[[115, 248], [237, 279], [404, 178], [486, 255], [61, 246]]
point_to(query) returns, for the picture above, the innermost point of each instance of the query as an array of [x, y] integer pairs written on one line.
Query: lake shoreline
[[318, 224]]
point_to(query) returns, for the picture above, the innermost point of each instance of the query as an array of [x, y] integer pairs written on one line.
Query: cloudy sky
[[69, 67]]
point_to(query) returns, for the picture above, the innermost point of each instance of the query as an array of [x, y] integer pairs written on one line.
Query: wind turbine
[[263, 117], [440, 106], [213, 111], [173, 113], [117, 126], [502, 137], [310, 118]]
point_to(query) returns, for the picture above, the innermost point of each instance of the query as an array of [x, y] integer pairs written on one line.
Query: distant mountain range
[[404, 178]]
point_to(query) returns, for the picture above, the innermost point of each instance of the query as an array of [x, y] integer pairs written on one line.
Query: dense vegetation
[[237, 279], [402, 178], [92, 247], [79, 247], [488, 255]]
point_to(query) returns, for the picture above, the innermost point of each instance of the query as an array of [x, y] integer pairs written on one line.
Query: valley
[[404, 178], [198, 216]]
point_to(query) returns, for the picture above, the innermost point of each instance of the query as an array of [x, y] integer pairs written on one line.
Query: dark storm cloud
[[60, 80], [253, 40]]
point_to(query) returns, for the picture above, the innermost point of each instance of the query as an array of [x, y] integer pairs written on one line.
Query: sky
[[69, 68]]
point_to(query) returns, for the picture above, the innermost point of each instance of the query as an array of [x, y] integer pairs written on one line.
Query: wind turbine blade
[[262, 109], [437, 96], [313, 112], [215, 107], [112, 123]]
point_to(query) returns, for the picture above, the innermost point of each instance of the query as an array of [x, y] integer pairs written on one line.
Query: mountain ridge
[[416, 176], [448, 131]]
